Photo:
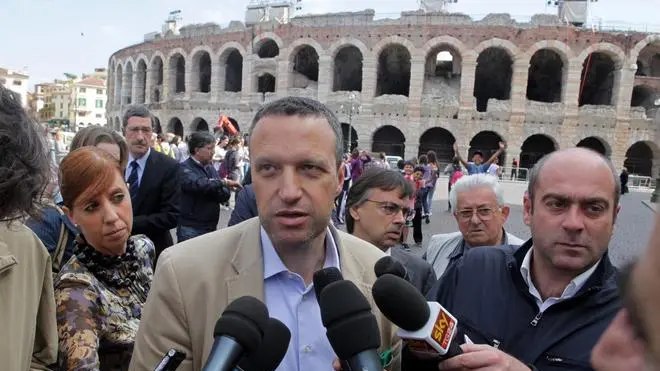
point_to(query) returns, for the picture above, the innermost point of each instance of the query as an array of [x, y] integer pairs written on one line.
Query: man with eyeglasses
[[542, 305], [153, 180], [477, 203], [376, 209]]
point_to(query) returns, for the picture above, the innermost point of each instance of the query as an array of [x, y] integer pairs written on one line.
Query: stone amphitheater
[[407, 85]]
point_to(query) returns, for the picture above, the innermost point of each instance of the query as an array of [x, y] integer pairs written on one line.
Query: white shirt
[[294, 303], [573, 287]]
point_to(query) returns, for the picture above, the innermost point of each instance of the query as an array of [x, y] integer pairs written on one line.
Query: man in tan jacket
[[295, 153], [28, 329]]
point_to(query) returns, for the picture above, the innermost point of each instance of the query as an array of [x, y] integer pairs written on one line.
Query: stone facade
[[165, 74]]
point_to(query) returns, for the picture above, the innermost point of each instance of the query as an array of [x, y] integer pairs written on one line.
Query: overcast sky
[[50, 37]]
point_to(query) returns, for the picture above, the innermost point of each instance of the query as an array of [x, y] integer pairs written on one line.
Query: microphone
[[323, 278], [171, 360], [427, 327], [273, 349], [239, 331], [351, 327], [388, 264]]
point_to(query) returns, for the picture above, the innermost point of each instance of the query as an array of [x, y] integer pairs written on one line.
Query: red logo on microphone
[[443, 328]]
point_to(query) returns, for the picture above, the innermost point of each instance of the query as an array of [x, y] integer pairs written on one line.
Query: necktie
[[133, 183]]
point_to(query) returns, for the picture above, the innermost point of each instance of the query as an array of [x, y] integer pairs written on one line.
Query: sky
[[47, 38]]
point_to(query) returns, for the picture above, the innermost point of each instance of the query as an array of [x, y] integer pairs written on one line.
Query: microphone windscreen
[[323, 278], [389, 265], [273, 349], [401, 302], [346, 315], [245, 319]]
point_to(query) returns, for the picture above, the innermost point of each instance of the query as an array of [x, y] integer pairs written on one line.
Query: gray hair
[[536, 172], [136, 111], [303, 107], [475, 181]]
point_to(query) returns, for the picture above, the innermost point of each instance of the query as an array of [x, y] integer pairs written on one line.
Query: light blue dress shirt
[[142, 162], [288, 300]]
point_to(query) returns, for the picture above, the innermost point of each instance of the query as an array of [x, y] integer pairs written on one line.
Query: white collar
[[571, 289], [142, 161]]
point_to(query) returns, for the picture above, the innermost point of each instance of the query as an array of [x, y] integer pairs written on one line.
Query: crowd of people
[[91, 277]]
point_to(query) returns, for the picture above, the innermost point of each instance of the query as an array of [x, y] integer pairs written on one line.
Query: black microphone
[[323, 278], [239, 331], [272, 351], [427, 328], [389, 265], [351, 327]]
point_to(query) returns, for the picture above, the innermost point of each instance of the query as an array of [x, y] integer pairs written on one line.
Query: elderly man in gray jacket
[[478, 205]]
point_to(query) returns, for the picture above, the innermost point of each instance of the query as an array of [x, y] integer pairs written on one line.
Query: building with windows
[[88, 99], [420, 82], [17, 82]]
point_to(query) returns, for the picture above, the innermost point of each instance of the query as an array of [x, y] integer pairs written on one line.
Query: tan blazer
[[196, 279], [28, 328]]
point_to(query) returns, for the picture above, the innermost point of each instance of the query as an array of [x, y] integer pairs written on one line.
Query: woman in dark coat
[[624, 181]]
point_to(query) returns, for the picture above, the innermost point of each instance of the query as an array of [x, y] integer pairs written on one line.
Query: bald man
[[544, 305]]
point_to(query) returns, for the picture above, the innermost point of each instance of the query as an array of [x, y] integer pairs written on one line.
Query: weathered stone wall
[[432, 101]]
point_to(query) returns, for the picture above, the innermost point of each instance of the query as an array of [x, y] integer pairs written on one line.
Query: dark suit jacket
[[246, 206], [156, 205], [420, 272]]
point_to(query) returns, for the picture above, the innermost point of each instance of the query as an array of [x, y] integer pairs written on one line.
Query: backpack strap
[[62, 242]]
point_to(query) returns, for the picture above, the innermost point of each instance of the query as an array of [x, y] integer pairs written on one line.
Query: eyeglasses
[[137, 129], [483, 213], [390, 208]]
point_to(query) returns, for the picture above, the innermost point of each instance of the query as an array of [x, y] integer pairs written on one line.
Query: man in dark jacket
[[376, 209], [202, 190], [545, 305]]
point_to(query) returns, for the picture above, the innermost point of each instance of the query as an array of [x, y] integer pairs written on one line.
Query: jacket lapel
[[247, 277], [145, 181], [351, 267]]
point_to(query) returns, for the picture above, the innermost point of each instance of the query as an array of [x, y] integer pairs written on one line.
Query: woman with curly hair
[[100, 291], [28, 339]]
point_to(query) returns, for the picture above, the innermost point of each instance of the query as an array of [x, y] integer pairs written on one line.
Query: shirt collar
[[460, 249], [142, 161], [571, 289], [273, 264]]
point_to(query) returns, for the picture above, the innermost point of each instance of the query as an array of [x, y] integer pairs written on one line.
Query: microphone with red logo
[[427, 328]]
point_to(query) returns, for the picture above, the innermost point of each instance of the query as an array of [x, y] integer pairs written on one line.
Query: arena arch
[[390, 140], [487, 142], [347, 69], [439, 140], [201, 70], [534, 148], [547, 76], [639, 158], [304, 59], [128, 83], [175, 126], [156, 78], [177, 73], [493, 76], [393, 72], [199, 124], [141, 81], [158, 129], [597, 144], [232, 60]]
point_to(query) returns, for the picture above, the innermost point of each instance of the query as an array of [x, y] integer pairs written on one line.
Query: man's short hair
[[375, 178], [535, 173], [303, 107], [198, 140], [473, 181], [25, 166], [137, 110]]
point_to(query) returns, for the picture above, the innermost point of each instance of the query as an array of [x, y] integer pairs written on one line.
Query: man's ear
[[354, 213], [528, 208]]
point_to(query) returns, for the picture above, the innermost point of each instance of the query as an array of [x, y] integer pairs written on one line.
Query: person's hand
[[336, 365], [233, 184], [482, 357], [618, 348], [502, 146]]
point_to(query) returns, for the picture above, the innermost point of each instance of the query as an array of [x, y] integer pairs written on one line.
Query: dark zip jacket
[[202, 191], [486, 292]]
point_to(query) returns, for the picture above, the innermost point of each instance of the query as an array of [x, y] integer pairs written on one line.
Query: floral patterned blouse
[[99, 301]]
